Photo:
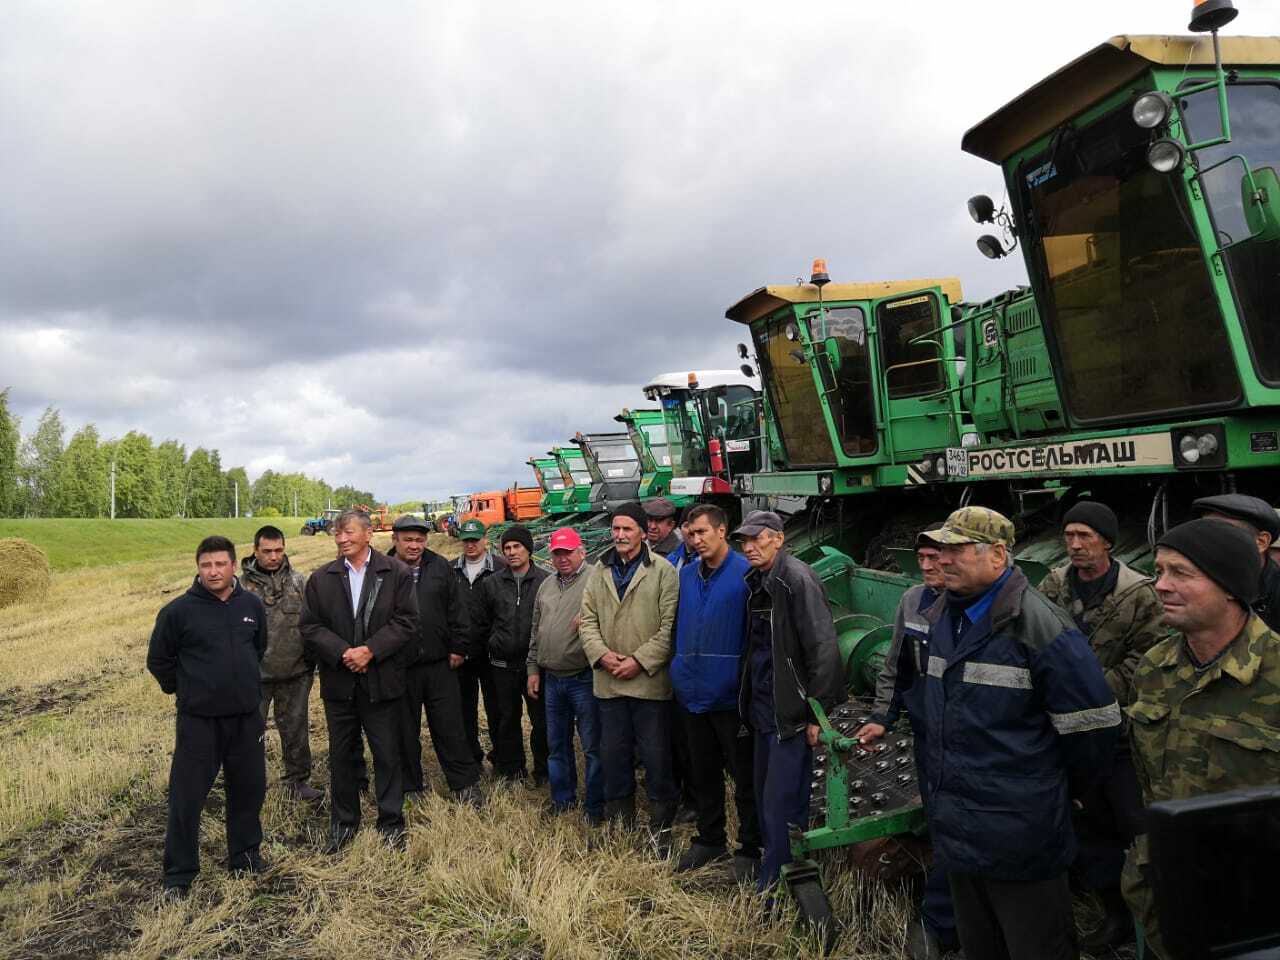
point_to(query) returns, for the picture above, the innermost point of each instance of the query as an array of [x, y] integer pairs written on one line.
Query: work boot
[[686, 814], [301, 790], [175, 893], [396, 839], [1116, 927], [621, 811], [470, 795], [661, 816], [745, 868], [921, 943], [699, 855], [249, 863]]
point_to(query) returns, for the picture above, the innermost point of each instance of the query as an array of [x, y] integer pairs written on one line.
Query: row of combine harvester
[[1140, 367]]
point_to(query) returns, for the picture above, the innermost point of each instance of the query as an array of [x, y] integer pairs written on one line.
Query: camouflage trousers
[[290, 699], [1135, 884]]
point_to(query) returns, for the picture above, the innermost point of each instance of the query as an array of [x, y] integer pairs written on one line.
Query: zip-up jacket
[[710, 635], [208, 651], [909, 627], [477, 641], [444, 617], [1011, 718], [806, 660], [554, 644], [638, 625], [1267, 605], [388, 621], [281, 593], [508, 615]]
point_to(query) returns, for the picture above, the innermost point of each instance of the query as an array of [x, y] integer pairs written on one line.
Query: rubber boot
[[1116, 927]]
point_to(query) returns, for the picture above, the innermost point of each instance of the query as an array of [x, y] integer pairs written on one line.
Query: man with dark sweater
[[206, 648], [433, 655], [358, 614]]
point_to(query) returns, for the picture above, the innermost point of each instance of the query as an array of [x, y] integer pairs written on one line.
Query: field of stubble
[[85, 739]]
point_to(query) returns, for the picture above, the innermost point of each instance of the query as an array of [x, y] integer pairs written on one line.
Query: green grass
[[76, 544]]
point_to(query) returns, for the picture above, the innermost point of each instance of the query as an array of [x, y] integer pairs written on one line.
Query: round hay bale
[[24, 572]]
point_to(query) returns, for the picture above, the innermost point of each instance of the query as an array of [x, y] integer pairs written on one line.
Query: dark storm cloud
[[412, 244]]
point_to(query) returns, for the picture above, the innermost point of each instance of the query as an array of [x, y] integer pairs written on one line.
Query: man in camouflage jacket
[[1206, 710], [287, 674]]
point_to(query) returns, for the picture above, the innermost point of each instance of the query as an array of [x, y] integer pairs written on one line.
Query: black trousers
[[510, 701], [631, 727], [681, 759], [433, 687], [1111, 816], [202, 747], [1004, 920], [380, 722], [714, 746], [475, 681]]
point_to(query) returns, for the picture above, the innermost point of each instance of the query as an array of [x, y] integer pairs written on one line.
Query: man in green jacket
[[628, 609], [1205, 717], [1116, 608]]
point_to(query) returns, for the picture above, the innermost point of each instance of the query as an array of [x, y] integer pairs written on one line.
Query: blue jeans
[[566, 699]]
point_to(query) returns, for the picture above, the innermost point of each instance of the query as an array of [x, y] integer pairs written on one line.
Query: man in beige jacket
[[628, 609]]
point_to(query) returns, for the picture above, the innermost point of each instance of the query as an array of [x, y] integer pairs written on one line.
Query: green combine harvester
[[1141, 366], [648, 432]]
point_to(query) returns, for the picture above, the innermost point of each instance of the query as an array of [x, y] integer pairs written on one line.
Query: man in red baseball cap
[[560, 674]]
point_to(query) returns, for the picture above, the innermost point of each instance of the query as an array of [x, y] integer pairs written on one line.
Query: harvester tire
[[815, 913], [308, 531]]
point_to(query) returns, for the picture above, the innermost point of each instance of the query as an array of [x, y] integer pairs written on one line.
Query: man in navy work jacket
[[359, 613], [1012, 715], [710, 639], [206, 647], [791, 656]]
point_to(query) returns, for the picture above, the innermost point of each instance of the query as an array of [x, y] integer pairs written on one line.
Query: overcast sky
[[407, 245]]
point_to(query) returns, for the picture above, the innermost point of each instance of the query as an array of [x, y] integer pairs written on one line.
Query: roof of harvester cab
[[1087, 79], [762, 302]]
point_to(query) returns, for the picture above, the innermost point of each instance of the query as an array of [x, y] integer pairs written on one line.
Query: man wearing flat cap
[[1012, 715], [1206, 711], [1116, 608], [431, 657], [1259, 519], [628, 610], [790, 657], [660, 526]]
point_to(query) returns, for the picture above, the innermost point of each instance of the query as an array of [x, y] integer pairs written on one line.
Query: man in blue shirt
[[710, 638], [1012, 716]]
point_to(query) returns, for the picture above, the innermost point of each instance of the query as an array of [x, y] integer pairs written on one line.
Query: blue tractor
[[320, 524]]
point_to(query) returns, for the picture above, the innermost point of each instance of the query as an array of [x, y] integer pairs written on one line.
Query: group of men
[[1045, 720], [667, 648]]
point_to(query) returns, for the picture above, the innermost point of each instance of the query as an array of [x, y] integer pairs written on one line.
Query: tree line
[[44, 474]]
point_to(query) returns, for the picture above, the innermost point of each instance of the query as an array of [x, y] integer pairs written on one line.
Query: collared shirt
[[976, 608], [624, 570], [356, 579]]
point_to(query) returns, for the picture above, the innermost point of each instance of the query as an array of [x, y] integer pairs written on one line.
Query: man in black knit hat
[[1206, 711], [1116, 608], [506, 608], [1259, 520]]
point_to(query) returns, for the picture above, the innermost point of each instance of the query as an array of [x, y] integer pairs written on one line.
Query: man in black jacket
[[1259, 519], [358, 613], [791, 656], [475, 676], [438, 649], [206, 648], [506, 602]]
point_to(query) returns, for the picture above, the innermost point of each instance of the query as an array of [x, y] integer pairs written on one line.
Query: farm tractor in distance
[[320, 524]]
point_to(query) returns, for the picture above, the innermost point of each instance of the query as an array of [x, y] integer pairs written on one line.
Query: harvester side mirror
[[742, 351], [1261, 202], [747, 370]]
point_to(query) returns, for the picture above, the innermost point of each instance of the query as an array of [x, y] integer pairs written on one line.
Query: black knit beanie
[[635, 512], [1098, 516], [1226, 554], [518, 534]]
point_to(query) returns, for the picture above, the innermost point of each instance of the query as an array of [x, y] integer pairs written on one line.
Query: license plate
[[957, 462]]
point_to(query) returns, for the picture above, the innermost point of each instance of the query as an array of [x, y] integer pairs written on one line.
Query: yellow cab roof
[[1100, 72], [762, 302]]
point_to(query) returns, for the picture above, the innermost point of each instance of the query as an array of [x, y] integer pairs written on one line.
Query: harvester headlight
[[1188, 449], [1152, 109], [1200, 446], [1166, 155], [745, 483], [991, 247], [940, 465], [826, 484], [926, 465], [969, 440]]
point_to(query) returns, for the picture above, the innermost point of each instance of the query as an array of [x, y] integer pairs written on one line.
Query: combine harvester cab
[[648, 434], [614, 466]]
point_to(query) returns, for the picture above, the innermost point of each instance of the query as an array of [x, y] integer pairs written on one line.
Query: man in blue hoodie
[[710, 637], [206, 648]]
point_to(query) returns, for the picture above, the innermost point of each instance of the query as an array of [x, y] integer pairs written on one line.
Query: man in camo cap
[[1206, 710], [1011, 711]]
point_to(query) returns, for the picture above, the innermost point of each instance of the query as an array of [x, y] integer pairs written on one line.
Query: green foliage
[[38, 463], [82, 487], [206, 487], [9, 441], [137, 476], [237, 477], [346, 496], [267, 513], [171, 470]]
